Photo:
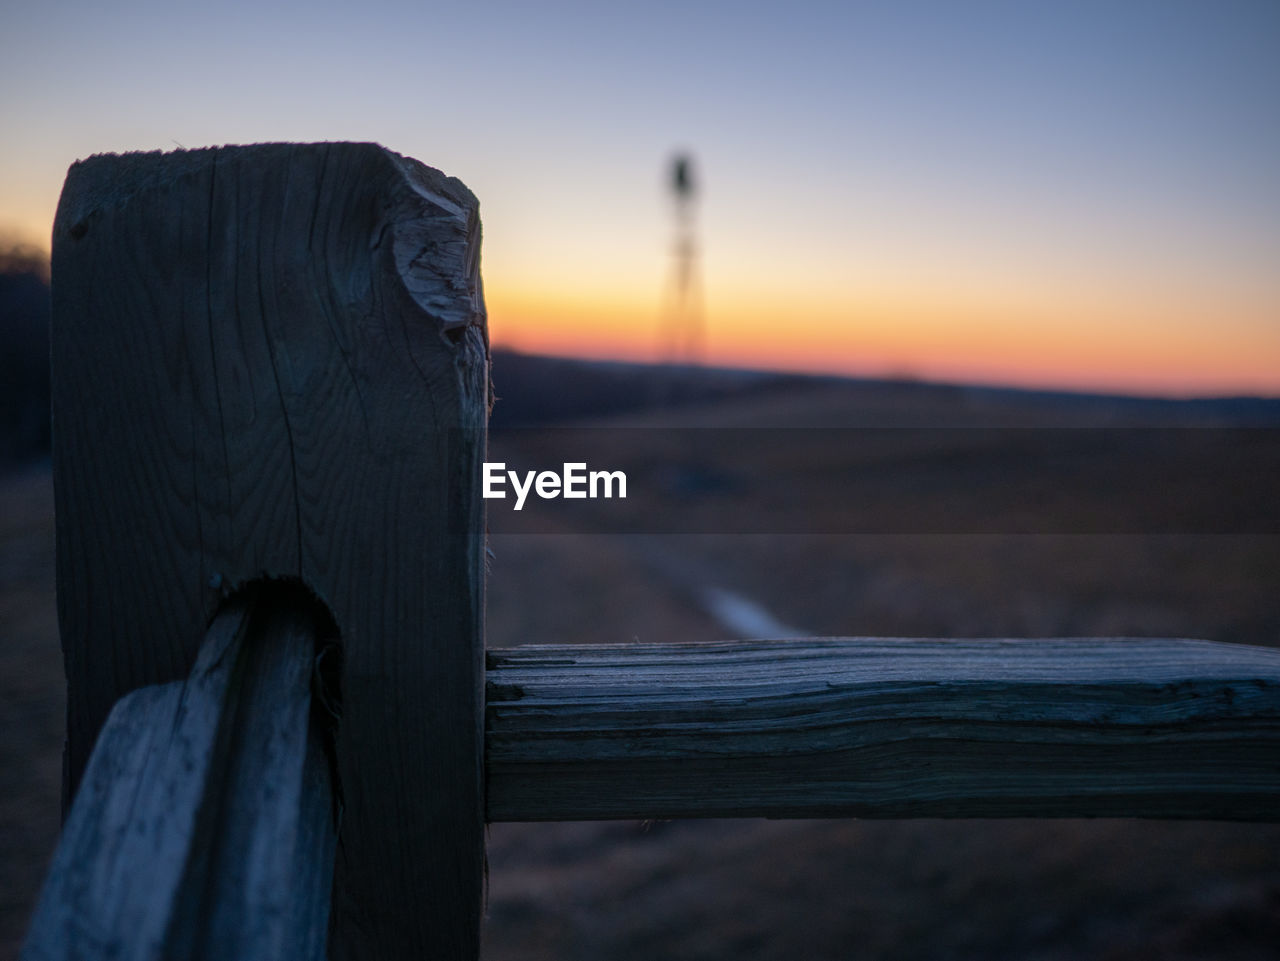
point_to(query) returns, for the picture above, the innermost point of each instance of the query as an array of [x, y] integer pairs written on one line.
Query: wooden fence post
[[272, 362]]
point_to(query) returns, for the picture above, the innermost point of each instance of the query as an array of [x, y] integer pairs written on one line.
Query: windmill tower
[[681, 329]]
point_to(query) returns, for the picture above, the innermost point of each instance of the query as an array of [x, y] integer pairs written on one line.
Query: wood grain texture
[[885, 728], [272, 361], [204, 827]]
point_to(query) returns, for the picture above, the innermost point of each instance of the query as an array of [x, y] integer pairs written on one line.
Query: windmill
[[681, 328]]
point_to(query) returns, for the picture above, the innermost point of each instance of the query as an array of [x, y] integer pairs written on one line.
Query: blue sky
[[1110, 168]]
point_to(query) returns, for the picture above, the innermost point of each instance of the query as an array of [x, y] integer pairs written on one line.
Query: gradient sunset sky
[[1081, 194]]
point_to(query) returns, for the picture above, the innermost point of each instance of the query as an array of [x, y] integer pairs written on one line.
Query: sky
[[1076, 195]]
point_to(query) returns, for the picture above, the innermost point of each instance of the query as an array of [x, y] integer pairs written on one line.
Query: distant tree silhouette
[[24, 354]]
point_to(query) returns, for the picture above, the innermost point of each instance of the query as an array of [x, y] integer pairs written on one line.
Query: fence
[[285, 736]]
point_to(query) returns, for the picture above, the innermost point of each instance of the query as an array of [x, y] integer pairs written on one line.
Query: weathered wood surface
[[205, 823], [885, 728], [273, 361]]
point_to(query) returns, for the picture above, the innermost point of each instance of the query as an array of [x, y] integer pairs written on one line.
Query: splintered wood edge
[[1129, 727]]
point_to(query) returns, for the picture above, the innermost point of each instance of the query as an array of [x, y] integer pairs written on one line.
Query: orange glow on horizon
[[1108, 341], [1112, 349]]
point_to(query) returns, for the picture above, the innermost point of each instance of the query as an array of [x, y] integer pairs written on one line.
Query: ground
[[698, 891]]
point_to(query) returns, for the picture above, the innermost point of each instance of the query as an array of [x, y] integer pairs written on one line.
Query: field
[[972, 516]]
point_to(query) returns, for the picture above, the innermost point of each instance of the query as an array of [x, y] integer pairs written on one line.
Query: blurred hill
[[538, 390], [535, 390]]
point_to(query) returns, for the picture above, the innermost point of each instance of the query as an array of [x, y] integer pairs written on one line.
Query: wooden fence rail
[[270, 367], [204, 826], [188, 780], [827, 727]]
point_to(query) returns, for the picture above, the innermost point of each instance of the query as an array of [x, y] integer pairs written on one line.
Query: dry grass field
[[698, 891]]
